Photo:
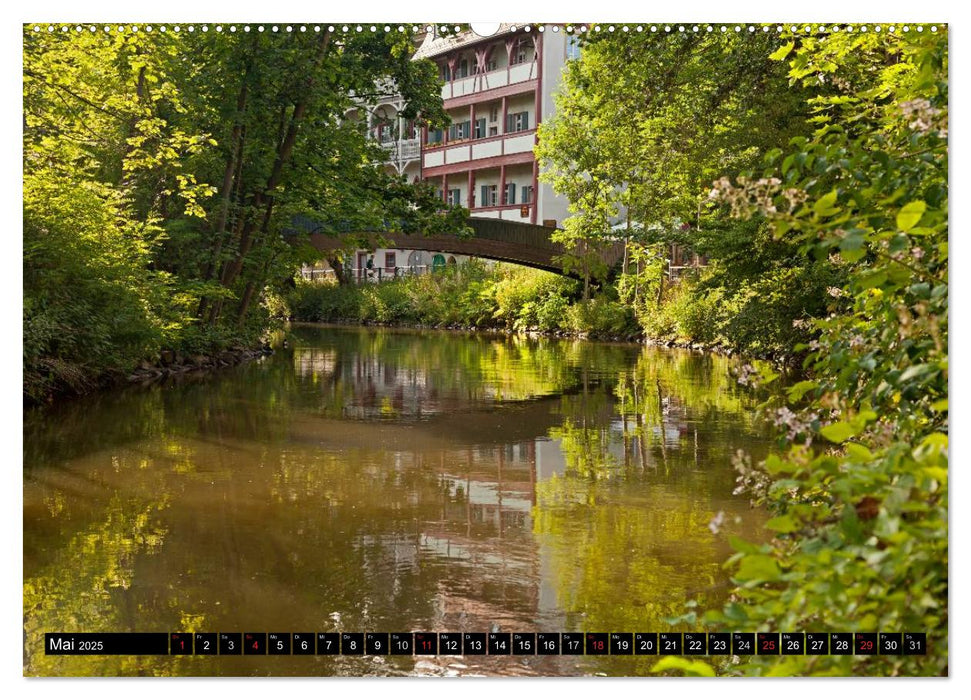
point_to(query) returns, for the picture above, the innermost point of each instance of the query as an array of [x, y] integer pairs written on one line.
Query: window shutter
[[525, 121], [510, 122]]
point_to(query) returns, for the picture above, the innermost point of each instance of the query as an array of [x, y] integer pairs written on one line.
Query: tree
[[199, 149], [650, 120]]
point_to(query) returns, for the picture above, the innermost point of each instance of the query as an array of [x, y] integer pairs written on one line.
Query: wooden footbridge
[[495, 239]]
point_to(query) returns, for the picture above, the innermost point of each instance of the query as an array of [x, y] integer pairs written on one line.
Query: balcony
[[488, 81], [405, 149], [517, 143]]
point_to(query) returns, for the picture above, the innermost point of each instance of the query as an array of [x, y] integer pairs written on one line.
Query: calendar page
[[534, 349]]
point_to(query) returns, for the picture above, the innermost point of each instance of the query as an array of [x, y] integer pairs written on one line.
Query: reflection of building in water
[[373, 387], [549, 459], [315, 362], [485, 535]]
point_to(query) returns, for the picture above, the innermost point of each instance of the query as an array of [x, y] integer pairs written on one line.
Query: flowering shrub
[[859, 489]]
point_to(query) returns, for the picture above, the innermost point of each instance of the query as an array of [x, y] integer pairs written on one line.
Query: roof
[[438, 45]]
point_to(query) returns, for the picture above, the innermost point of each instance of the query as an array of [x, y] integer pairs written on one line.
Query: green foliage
[[860, 490], [671, 113], [91, 304], [531, 299], [472, 296], [164, 173], [601, 317]]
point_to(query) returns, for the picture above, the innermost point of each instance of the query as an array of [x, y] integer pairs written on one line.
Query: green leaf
[[872, 279], [838, 432], [740, 545], [825, 205], [858, 452], [910, 214], [797, 391], [686, 666], [776, 465], [782, 523], [915, 371], [783, 51], [758, 567]]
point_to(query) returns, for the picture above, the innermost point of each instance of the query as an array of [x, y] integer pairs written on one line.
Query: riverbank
[[173, 363], [169, 364], [516, 300], [474, 296]]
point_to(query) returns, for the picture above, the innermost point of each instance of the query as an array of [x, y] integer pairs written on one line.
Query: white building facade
[[497, 91]]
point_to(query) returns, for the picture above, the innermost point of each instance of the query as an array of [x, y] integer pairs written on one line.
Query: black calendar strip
[[486, 644]]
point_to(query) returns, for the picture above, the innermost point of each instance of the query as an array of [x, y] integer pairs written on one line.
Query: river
[[380, 480]]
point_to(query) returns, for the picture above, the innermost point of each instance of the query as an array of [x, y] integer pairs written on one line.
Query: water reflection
[[386, 481]]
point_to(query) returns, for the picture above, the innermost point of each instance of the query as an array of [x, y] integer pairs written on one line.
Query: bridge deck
[[507, 241]]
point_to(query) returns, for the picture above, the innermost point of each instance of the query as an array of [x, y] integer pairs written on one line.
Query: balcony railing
[[406, 149], [493, 79]]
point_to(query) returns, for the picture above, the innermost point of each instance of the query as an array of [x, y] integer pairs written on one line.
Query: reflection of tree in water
[[543, 479], [646, 468], [370, 373], [87, 586]]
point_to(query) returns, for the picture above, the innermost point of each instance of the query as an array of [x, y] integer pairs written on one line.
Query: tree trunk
[[626, 244], [660, 285], [339, 273], [284, 153], [245, 302], [229, 176]]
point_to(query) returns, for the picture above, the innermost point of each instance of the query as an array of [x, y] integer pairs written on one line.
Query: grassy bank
[[758, 317], [473, 295]]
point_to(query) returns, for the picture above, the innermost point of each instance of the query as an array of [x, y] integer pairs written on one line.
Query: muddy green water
[[375, 480]]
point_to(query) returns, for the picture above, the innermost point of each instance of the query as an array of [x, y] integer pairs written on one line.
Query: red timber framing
[[480, 164], [522, 88], [485, 94]]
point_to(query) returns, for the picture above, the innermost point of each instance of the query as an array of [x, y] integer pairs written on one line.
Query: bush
[[601, 317], [92, 306], [473, 295]]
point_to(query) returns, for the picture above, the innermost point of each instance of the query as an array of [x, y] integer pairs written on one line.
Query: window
[[460, 131], [572, 48], [385, 133], [389, 262], [519, 121], [455, 197], [480, 128], [493, 131], [494, 113], [434, 136], [446, 73], [463, 70], [527, 194], [491, 65], [509, 196], [489, 195], [519, 54]]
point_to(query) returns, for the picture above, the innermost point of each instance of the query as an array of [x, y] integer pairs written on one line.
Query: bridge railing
[[515, 232]]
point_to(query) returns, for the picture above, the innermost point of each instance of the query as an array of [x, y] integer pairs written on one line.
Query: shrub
[[601, 317]]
